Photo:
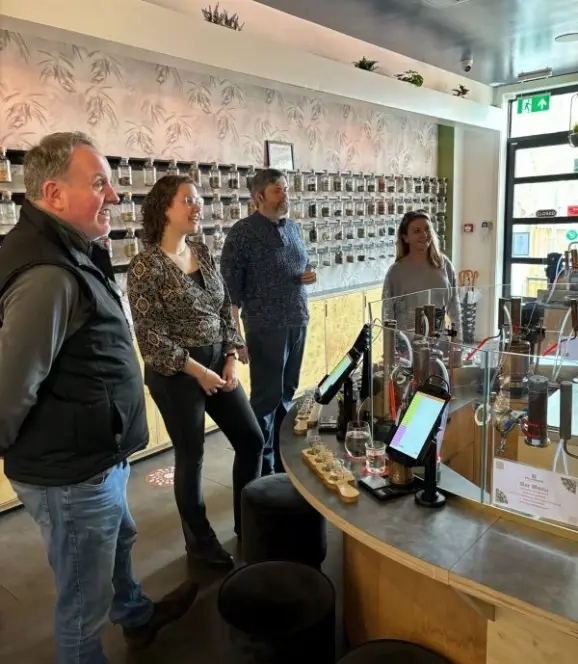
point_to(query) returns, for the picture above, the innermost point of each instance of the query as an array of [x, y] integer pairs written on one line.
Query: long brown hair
[[155, 206], [434, 256]]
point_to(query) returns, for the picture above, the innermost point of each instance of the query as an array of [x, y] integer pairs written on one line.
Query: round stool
[[277, 523], [279, 612], [390, 651]]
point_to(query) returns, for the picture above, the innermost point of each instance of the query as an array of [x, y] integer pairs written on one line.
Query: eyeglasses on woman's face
[[194, 200]]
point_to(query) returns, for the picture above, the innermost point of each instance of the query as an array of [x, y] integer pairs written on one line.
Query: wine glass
[[356, 438]]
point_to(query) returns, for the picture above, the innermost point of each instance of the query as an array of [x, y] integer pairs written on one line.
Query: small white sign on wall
[[520, 245]]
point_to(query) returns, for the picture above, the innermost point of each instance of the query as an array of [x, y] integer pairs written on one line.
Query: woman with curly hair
[[188, 339]]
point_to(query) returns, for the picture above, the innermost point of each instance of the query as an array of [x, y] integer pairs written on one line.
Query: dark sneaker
[[169, 609], [212, 554]]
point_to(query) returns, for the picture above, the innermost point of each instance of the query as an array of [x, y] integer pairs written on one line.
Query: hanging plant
[[411, 76], [461, 91], [573, 136], [364, 63], [222, 18]]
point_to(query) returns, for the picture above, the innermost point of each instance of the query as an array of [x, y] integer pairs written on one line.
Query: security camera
[[467, 64]]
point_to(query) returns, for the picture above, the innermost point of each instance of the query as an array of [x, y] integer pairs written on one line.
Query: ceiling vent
[[444, 4]]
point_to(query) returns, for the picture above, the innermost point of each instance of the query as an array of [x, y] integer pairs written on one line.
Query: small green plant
[[411, 76], [461, 91], [575, 129], [364, 63], [222, 18]]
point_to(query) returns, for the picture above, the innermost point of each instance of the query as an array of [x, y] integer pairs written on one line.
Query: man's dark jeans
[[275, 364]]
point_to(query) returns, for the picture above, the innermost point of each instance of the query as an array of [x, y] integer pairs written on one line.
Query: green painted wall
[[446, 149]]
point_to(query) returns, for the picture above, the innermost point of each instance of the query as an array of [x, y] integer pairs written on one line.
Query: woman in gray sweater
[[420, 275]]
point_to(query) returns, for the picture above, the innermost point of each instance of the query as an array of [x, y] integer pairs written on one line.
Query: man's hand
[[308, 277], [243, 355]]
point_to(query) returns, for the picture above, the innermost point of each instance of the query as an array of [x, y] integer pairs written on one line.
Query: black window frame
[[521, 143]]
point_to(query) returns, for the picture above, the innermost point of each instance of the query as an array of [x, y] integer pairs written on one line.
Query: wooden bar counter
[[473, 583]]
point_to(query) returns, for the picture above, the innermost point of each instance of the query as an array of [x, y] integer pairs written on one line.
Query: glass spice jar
[[381, 184], [196, 175], [442, 205], [124, 173], [234, 178], [360, 208], [214, 177], [235, 208], [173, 167], [218, 241], [349, 183], [7, 209], [349, 207], [434, 186], [217, 211], [361, 253], [349, 254], [5, 166], [250, 177], [251, 207], [338, 232], [391, 228], [149, 173], [400, 207], [361, 184], [372, 253], [370, 228], [130, 243], [326, 259], [382, 229], [391, 184], [338, 183], [127, 209], [325, 182], [313, 258], [417, 186], [338, 256], [391, 205], [298, 209], [381, 207], [349, 232], [426, 187], [325, 208], [312, 182], [312, 209], [370, 207], [371, 184], [399, 182], [338, 208], [313, 232], [408, 185], [325, 233], [298, 182], [361, 231], [443, 187]]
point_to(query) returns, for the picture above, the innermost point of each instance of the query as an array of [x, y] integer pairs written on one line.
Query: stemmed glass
[[357, 437]]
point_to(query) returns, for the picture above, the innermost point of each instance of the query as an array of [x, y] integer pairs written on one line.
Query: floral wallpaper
[[135, 108]]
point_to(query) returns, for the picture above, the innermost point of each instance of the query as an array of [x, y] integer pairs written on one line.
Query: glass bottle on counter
[[325, 208], [338, 208], [235, 208], [325, 182], [250, 177], [218, 242], [312, 235], [298, 182], [5, 166], [338, 183], [149, 172], [7, 209], [381, 184], [298, 209], [312, 209], [127, 209], [234, 178], [312, 182], [130, 243], [214, 177], [391, 184], [196, 175], [217, 211], [173, 168], [371, 184], [349, 183], [124, 173], [361, 184], [349, 208]]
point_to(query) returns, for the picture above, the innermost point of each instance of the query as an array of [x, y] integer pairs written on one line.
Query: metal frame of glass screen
[[521, 143]]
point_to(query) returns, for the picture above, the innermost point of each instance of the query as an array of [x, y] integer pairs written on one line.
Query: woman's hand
[[230, 376], [211, 382]]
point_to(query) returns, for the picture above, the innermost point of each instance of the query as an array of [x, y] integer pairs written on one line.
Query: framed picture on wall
[[279, 155]]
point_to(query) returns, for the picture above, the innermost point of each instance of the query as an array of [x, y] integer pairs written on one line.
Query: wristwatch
[[232, 353]]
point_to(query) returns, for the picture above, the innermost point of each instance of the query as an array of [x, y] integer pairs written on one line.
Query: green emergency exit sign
[[534, 104]]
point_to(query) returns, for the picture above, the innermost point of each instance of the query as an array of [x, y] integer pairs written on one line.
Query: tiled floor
[[26, 593]]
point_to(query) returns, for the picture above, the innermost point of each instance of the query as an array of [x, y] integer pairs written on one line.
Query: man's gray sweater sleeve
[[38, 311]]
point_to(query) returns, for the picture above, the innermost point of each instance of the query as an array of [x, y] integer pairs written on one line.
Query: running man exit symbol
[[534, 104]]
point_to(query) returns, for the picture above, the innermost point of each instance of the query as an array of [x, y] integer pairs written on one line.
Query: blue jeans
[[275, 364], [89, 532]]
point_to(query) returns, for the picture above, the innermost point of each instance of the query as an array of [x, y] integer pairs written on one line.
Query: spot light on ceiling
[[567, 37]]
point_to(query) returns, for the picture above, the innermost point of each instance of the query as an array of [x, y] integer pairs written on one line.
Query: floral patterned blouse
[[173, 313]]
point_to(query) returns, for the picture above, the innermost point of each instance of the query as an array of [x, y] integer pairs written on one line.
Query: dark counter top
[[465, 545]]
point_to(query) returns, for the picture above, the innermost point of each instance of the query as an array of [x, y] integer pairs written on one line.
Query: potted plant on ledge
[[573, 136], [411, 76]]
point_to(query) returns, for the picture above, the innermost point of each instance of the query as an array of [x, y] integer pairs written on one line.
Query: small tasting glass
[[375, 457]]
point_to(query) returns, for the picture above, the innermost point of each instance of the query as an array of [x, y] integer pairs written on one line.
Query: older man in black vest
[[72, 407]]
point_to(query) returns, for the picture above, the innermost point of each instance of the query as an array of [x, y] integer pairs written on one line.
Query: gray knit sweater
[[411, 284]]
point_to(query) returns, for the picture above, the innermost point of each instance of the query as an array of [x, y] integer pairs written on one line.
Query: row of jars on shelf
[[314, 232], [361, 207]]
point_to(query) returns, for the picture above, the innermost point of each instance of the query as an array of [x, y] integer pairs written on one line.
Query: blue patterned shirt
[[262, 263]]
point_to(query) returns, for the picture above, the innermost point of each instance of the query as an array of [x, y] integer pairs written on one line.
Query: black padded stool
[[277, 523], [279, 613], [390, 651]]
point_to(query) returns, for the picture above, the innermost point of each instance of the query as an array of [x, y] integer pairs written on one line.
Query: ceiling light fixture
[[526, 76], [567, 37]]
